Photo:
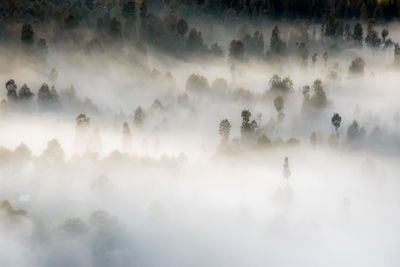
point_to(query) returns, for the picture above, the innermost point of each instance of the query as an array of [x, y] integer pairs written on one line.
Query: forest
[[199, 133]]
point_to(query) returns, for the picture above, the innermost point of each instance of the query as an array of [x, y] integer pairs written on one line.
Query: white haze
[[171, 199]]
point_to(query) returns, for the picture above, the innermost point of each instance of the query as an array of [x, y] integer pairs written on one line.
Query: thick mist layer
[[131, 138]]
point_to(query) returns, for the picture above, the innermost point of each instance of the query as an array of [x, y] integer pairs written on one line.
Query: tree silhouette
[[224, 129], [336, 121]]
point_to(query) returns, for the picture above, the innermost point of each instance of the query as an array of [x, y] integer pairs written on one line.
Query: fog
[[169, 190]]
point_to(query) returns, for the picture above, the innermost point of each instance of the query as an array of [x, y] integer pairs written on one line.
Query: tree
[[47, 97], [82, 121], [139, 117], [114, 30], [279, 85], [372, 39], [355, 132], [302, 52], [182, 27], [25, 93], [314, 58], [279, 104], [195, 43], [129, 10], [216, 50], [224, 129], [325, 58], [11, 88], [363, 12], [54, 152], [357, 66], [247, 128], [53, 75], [319, 99], [236, 49], [384, 34], [27, 34], [197, 83], [358, 34], [126, 131], [397, 54], [277, 45], [129, 14], [347, 33], [336, 121], [143, 9]]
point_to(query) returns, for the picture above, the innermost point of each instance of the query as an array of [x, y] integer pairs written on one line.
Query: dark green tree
[[236, 50], [358, 35], [336, 121], [277, 45], [27, 35], [11, 88]]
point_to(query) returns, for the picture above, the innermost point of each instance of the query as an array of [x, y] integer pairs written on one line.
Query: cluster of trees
[[74, 12], [47, 98], [132, 21]]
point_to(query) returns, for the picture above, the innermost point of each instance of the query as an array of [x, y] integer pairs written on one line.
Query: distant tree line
[[73, 12]]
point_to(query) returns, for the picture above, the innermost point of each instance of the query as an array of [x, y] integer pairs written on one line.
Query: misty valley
[[199, 133]]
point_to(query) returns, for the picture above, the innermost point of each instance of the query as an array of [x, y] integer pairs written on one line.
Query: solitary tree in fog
[[224, 129], [286, 169], [11, 88], [82, 121], [357, 66], [138, 117], [336, 121]]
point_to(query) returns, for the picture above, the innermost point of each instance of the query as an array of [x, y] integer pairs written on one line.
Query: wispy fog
[[128, 160]]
